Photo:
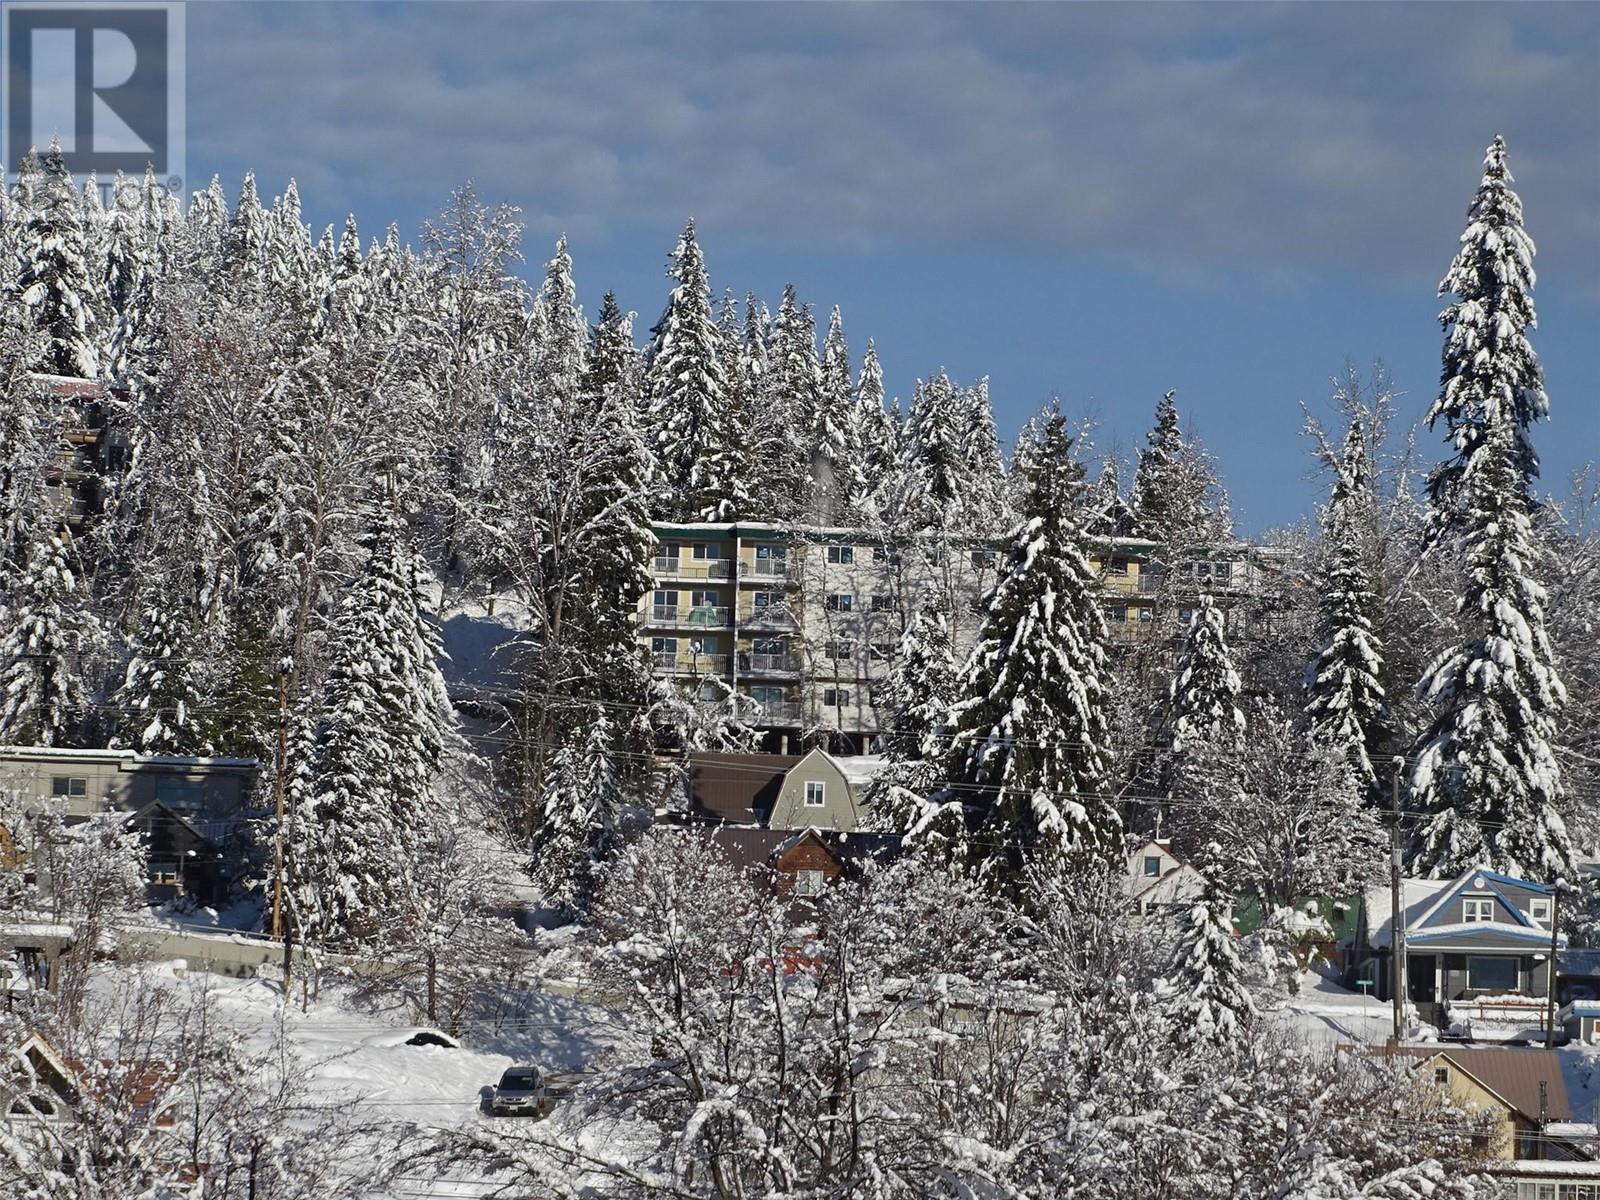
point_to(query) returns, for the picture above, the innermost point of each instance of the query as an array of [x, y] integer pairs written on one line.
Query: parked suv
[[519, 1093]]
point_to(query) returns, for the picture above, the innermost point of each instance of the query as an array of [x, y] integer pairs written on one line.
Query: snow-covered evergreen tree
[[386, 724], [160, 699], [1110, 514], [1177, 499], [1204, 694], [49, 634], [838, 438], [57, 282], [1485, 771], [1028, 755], [701, 472], [1490, 372], [917, 697], [581, 802], [1344, 690], [1211, 1005]]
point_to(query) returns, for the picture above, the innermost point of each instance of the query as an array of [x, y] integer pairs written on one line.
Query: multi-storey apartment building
[[806, 621]]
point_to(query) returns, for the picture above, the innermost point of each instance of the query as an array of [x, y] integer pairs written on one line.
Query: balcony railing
[[779, 712], [771, 568], [693, 568], [683, 663], [774, 616], [701, 616], [768, 664]]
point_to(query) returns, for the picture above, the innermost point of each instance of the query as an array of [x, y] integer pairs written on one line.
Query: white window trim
[[809, 882], [821, 790], [1477, 909]]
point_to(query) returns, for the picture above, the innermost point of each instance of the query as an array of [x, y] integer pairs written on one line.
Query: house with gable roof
[[1472, 943]]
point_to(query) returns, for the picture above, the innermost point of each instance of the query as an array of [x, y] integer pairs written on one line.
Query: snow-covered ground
[[359, 1054], [1323, 1013]]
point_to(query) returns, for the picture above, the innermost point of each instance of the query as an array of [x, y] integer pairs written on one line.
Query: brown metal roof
[[739, 789], [1512, 1074]]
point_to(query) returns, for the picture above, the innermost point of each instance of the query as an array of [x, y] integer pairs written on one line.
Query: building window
[[1441, 1074], [1117, 566], [664, 605], [1222, 571], [816, 793], [840, 650], [1118, 613], [881, 651], [840, 602], [1476, 908], [983, 560], [835, 698], [1494, 975], [1186, 614], [844, 555], [162, 872], [69, 785], [765, 600], [882, 603], [664, 650], [180, 795], [1146, 615], [667, 555], [880, 554], [766, 695], [809, 883], [1203, 570], [1152, 866], [1539, 912], [707, 551]]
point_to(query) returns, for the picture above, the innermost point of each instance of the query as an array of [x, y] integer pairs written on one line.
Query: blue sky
[[1095, 201]]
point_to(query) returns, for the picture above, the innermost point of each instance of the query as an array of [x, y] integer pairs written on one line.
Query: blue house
[[1481, 936]]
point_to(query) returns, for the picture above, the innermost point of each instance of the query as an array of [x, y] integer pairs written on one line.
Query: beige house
[[210, 793], [773, 791], [1158, 878]]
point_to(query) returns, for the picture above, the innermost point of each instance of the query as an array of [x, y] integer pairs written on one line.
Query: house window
[[844, 555], [35, 1106], [983, 560], [836, 697], [1492, 974], [180, 795], [1477, 908], [1222, 571], [1186, 614], [1203, 570], [882, 603], [1539, 912], [816, 793], [69, 785], [809, 883], [840, 650], [162, 872], [1152, 866], [1441, 1074], [840, 602]]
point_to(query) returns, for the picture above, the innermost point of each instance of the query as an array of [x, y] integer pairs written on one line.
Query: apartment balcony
[[751, 663], [668, 663], [693, 568], [771, 569], [776, 616], [786, 712], [701, 616]]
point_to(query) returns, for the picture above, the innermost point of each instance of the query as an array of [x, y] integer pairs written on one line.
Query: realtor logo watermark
[[105, 80]]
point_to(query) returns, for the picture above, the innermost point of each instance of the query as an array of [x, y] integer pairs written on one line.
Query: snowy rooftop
[[1417, 896], [56, 753]]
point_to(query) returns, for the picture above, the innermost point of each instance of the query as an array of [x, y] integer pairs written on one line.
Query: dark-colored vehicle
[[520, 1092]]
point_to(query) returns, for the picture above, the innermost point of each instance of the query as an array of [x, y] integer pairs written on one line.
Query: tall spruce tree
[[1211, 1005], [160, 700], [1490, 371], [917, 698], [580, 805], [385, 726], [1029, 756], [1204, 695], [1344, 696], [49, 634], [58, 283], [700, 471], [1485, 772]]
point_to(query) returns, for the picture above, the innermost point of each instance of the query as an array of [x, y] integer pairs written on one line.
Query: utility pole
[[1550, 979], [1397, 932], [280, 927]]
